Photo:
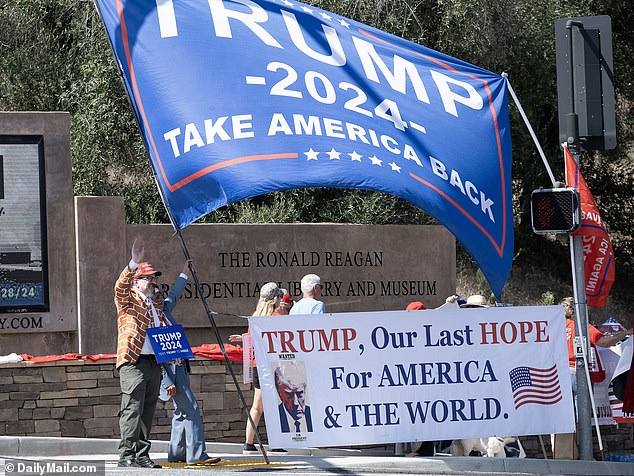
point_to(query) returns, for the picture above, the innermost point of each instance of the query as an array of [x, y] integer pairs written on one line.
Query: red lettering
[[540, 331], [269, 336], [492, 332], [323, 338], [286, 340], [509, 332], [349, 334], [503, 327], [302, 340], [525, 328]]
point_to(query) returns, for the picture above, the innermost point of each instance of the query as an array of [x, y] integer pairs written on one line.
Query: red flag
[[598, 257]]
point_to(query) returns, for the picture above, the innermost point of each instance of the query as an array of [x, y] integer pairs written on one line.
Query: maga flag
[[598, 257], [240, 98]]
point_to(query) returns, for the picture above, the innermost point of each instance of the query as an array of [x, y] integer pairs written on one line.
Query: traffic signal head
[[591, 88], [555, 210]]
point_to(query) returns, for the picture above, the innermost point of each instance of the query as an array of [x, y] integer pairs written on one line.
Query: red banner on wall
[[598, 257]]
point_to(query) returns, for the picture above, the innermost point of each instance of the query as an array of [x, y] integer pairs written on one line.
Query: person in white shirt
[[309, 303]]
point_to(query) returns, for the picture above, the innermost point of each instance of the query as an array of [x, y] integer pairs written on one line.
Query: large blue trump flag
[[242, 97]]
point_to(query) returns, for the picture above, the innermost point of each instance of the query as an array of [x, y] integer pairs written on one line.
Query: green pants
[[140, 384]]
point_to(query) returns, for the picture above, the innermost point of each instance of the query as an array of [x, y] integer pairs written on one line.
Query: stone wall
[[81, 399]]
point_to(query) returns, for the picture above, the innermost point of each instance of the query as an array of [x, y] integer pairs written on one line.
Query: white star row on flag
[[354, 157], [323, 15]]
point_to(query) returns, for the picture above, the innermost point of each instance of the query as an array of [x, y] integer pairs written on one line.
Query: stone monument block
[[362, 267], [38, 287]]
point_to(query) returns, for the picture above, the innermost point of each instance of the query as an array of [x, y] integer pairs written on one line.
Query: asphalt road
[[363, 465]]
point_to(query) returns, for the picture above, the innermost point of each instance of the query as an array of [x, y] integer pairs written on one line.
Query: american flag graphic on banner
[[532, 385], [617, 408]]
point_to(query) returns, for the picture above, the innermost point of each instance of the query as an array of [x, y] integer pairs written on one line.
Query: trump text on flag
[[237, 99]]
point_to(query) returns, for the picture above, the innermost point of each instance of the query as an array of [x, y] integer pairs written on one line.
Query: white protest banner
[[397, 376], [623, 366], [247, 358], [609, 360]]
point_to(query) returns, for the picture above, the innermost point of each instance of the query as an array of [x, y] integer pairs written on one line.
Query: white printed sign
[[623, 365], [247, 358], [397, 376]]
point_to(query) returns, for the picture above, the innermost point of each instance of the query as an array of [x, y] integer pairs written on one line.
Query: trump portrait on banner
[[290, 382]]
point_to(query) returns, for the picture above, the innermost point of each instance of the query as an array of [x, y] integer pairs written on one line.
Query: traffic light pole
[[584, 409]]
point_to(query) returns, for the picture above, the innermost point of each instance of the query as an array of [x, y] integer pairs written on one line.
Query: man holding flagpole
[[139, 307]]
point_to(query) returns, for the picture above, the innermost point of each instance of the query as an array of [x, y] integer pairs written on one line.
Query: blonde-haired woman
[[269, 299]]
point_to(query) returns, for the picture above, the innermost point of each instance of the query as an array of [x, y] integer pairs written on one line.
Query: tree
[[54, 55]]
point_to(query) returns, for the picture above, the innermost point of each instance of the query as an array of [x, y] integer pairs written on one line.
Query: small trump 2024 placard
[[169, 343]]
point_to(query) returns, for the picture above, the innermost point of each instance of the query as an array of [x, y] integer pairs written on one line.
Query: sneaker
[[278, 450], [250, 449]]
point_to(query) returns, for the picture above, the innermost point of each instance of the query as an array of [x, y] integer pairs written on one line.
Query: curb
[[45, 446], [56, 446], [352, 461]]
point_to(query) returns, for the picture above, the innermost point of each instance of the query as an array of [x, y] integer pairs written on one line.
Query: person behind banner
[[595, 337], [474, 301], [285, 304], [187, 441], [294, 413], [453, 301], [138, 308], [309, 303], [564, 446], [428, 448], [269, 300], [425, 448]]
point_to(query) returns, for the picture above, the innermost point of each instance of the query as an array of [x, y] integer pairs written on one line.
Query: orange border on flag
[[498, 248]]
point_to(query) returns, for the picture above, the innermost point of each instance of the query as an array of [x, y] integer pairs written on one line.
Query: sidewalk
[[330, 460]]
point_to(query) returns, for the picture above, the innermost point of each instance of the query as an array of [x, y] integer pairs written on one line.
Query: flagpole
[[530, 130], [178, 232], [578, 276]]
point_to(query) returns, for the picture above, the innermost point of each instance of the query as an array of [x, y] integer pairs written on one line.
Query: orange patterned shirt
[[133, 317]]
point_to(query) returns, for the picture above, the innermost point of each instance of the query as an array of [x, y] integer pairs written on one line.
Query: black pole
[[572, 119], [212, 321], [208, 311]]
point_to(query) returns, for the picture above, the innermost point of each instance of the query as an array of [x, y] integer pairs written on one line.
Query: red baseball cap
[[415, 306], [145, 269], [287, 298]]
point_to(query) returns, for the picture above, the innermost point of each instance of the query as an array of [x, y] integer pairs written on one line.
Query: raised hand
[[186, 266], [137, 251]]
